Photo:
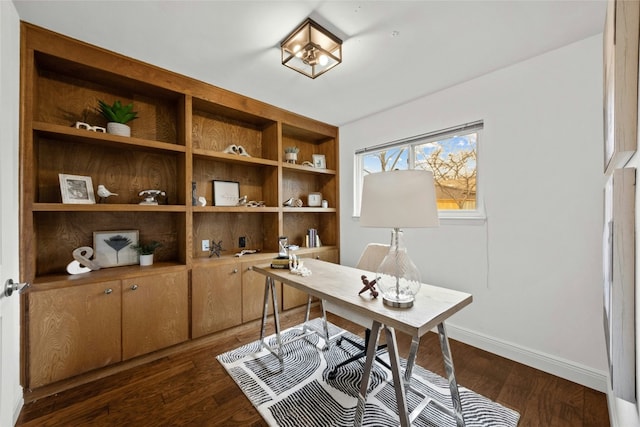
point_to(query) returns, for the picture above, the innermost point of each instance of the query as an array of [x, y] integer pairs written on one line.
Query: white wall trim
[[560, 367]]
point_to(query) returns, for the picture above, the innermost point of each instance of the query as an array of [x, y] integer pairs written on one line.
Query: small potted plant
[[291, 154], [118, 116], [146, 250]]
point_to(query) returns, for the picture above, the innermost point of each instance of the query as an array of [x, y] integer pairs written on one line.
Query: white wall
[[534, 268]]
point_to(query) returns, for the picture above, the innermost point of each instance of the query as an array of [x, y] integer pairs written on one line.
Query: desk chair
[[370, 259]]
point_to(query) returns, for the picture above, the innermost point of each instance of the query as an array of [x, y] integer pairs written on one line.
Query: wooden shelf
[[309, 210], [232, 158], [103, 207], [71, 134], [308, 169]]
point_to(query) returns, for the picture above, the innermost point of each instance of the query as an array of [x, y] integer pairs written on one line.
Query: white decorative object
[[74, 267], [202, 201], [103, 192], [314, 200], [87, 126], [242, 151], [291, 157], [118, 129], [82, 262], [297, 267], [146, 260], [231, 149]]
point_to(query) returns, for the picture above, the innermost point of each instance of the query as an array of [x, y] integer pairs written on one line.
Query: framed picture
[[76, 189], [319, 161], [620, 83], [314, 200], [226, 193], [618, 248], [113, 248]]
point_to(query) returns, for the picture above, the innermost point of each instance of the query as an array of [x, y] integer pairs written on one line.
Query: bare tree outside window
[[386, 160], [453, 163], [451, 158]]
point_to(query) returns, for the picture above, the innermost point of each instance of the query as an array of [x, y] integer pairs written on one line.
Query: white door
[[10, 390]]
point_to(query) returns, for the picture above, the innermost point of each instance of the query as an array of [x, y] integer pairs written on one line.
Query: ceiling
[[393, 51]]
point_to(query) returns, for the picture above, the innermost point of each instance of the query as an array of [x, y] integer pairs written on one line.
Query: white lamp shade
[[399, 199]]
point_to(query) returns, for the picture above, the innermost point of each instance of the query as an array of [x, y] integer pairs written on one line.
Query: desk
[[339, 285]]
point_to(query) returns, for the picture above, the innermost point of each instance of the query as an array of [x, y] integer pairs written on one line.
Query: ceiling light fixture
[[311, 49]]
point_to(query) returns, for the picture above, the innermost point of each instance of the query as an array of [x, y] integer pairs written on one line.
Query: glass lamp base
[[397, 304]]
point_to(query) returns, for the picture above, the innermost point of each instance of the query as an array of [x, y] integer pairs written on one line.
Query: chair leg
[[332, 374]]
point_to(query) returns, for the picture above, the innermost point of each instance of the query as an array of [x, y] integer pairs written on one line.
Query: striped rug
[[301, 395]]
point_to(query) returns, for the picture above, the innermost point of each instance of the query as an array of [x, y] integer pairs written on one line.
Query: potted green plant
[[118, 116], [146, 250], [291, 154]]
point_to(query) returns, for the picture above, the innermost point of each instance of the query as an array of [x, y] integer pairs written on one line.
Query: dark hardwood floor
[[191, 388]]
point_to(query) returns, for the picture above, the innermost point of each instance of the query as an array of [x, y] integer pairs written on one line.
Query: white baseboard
[[562, 368]]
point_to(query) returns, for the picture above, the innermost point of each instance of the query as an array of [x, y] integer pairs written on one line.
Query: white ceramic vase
[[146, 259], [291, 157], [118, 129]]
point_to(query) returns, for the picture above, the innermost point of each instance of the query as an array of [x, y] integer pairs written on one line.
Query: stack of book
[[312, 238], [280, 262]]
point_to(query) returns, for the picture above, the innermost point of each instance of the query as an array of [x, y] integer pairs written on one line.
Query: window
[[451, 154]]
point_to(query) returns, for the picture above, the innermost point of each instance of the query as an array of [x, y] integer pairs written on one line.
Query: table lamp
[[396, 200]]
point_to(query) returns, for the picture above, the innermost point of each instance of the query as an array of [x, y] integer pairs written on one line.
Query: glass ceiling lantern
[[311, 49]]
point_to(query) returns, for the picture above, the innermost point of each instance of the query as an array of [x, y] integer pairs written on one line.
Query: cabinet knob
[[317, 256], [235, 270], [108, 291], [249, 268], [134, 287]]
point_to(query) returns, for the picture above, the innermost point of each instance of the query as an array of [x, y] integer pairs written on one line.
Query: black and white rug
[[302, 395]]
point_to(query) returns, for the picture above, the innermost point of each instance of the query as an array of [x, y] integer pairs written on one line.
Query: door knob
[[10, 287]]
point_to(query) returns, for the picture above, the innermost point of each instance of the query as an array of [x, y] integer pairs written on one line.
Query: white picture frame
[[113, 248], [314, 200], [226, 193], [76, 189], [620, 83], [319, 161], [619, 281]]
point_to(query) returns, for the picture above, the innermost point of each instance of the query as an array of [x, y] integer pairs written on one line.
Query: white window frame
[[476, 215]]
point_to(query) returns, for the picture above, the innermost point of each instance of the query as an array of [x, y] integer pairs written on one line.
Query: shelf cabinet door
[[154, 312], [73, 330], [216, 298], [253, 293]]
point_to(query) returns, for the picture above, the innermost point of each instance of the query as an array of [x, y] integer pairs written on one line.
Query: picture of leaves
[[108, 247], [118, 243]]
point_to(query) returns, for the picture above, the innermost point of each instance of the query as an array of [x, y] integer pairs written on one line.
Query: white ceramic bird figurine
[[103, 192]]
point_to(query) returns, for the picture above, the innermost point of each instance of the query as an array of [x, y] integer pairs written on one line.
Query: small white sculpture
[[82, 262], [231, 149], [297, 267], [202, 201], [103, 192]]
